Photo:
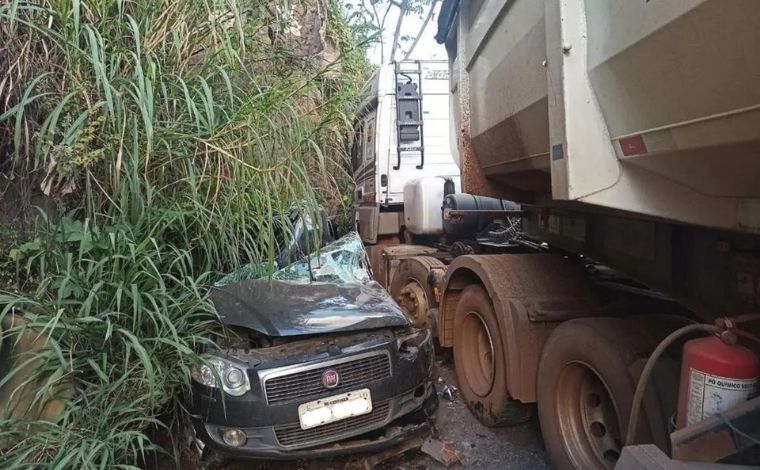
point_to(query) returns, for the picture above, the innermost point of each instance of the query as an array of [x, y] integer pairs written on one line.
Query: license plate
[[335, 408]]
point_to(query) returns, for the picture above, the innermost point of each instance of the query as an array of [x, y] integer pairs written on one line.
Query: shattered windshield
[[343, 261], [329, 291]]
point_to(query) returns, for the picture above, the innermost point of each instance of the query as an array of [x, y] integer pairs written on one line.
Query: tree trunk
[[401, 14]]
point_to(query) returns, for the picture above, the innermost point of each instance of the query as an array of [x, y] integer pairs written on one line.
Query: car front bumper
[[402, 396]]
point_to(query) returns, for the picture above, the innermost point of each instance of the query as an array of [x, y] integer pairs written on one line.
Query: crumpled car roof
[[281, 308], [329, 291]]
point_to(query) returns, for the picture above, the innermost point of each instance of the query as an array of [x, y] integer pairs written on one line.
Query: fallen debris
[[448, 392], [444, 452], [370, 462]]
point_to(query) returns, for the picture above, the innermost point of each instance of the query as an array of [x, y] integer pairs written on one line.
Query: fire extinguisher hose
[[649, 366]]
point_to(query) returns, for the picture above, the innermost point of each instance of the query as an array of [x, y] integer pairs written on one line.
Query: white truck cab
[[402, 134]]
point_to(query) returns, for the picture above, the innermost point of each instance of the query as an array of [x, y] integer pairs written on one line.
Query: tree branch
[[385, 15], [401, 14], [379, 25], [422, 29]]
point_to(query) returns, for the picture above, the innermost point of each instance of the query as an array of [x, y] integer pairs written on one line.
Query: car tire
[[585, 391], [479, 361]]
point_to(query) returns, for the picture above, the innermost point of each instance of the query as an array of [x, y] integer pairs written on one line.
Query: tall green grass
[[173, 136], [126, 314]]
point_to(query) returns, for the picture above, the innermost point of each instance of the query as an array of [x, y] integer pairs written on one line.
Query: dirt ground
[[482, 448]]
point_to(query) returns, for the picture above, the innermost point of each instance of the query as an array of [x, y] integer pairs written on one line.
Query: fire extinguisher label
[[712, 394]]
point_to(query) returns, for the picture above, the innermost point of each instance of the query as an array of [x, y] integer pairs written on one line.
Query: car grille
[[302, 385], [291, 435]]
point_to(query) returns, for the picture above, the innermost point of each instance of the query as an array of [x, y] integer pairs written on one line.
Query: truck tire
[[585, 391], [413, 288], [480, 362]]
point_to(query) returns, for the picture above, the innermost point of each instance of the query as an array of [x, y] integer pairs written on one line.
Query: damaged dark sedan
[[322, 363]]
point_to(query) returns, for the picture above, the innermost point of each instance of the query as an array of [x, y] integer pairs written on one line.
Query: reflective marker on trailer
[[633, 146]]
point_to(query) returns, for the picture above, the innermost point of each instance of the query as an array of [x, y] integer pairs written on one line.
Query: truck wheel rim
[[587, 418], [478, 357], [413, 301]]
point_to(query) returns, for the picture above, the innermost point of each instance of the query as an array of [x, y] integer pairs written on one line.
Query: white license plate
[[335, 408]]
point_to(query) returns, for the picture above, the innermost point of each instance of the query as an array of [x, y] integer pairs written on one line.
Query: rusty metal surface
[[474, 180], [713, 439], [517, 284], [413, 301], [393, 254], [413, 290], [383, 258]]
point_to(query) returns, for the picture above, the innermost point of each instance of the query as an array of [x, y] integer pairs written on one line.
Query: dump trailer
[[602, 261]]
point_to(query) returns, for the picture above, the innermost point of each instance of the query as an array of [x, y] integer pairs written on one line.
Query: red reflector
[[633, 146]]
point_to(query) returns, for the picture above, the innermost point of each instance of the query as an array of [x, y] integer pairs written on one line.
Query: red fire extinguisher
[[716, 375]]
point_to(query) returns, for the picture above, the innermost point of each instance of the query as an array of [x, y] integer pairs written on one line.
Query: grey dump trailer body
[[632, 128], [628, 131]]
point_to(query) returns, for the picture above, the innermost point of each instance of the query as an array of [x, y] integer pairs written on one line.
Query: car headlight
[[233, 378]]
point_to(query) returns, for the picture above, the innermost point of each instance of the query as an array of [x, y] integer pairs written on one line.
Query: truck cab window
[[369, 148], [357, 147]]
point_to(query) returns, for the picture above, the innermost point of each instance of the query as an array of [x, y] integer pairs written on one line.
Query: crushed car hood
[[281, 308]]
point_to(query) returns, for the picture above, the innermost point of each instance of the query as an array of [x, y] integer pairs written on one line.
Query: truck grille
[[306, 384], [291, 435]]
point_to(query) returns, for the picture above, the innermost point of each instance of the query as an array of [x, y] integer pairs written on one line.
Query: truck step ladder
[[409, 120]]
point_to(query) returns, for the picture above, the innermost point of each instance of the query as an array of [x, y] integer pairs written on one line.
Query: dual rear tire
[[584, 385], [585, 391]]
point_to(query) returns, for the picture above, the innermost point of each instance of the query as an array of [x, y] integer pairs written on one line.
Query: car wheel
[[480, 362], [585, 392]]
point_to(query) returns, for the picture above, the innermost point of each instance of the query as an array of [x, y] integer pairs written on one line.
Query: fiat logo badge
[[330, 378]]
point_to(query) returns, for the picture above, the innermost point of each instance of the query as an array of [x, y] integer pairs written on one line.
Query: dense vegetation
[[168, 139]]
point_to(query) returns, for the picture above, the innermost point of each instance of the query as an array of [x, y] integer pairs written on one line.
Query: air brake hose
[[644, 378]]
